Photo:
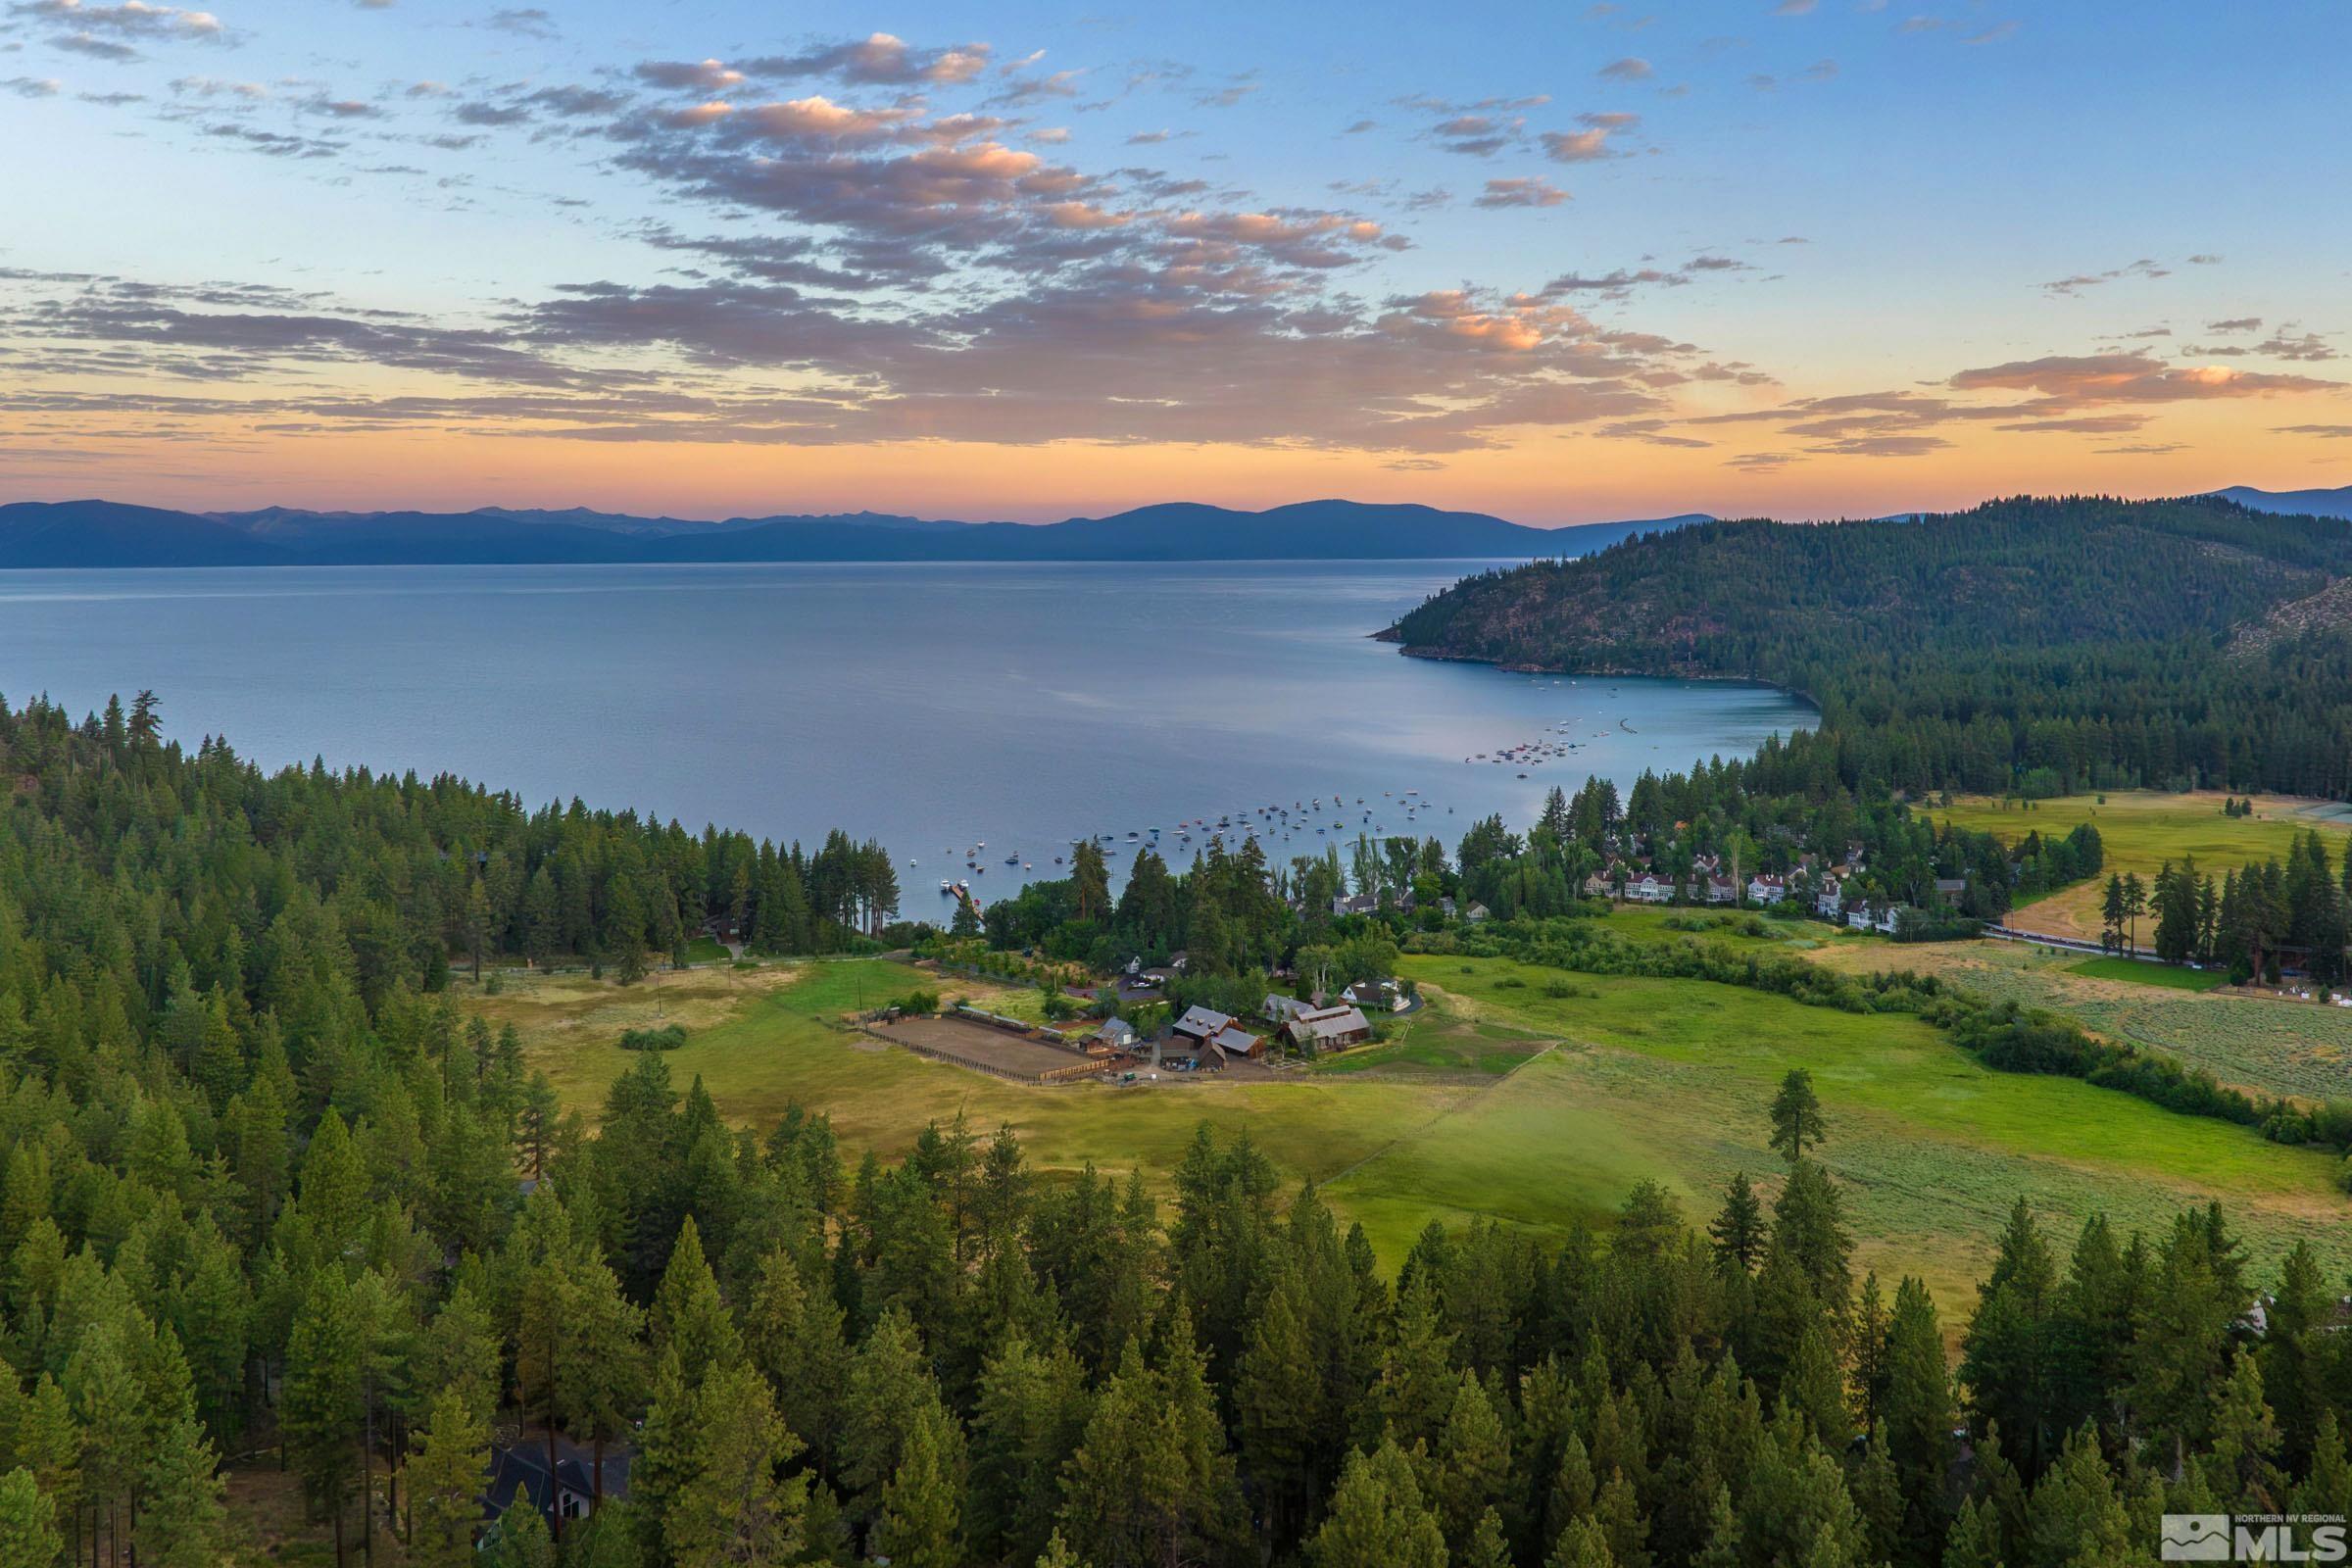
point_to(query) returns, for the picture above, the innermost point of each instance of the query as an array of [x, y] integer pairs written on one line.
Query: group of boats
[[1274, 820], [1535, 753]]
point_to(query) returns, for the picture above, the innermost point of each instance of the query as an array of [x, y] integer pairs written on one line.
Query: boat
[[946, 887], [1012, 859]]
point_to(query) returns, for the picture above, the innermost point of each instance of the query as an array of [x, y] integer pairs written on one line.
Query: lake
[[930, 705]]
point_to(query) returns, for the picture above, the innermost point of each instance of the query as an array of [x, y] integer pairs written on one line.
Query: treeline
[[2029, 644], [400, 871], [2250, 921]]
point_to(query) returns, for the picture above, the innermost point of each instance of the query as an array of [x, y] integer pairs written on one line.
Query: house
[[1200, 1024], [1115, 1035], [519, 1471], [1282, 1008], [1763, 889], [1329, 1028], [1445, 908], [1829, 899], [1862, 917], [1361, 904], [1234, 1041], [1648, 888], [1380, 996], [1475, 914], [1722, 890], [1948, 888]]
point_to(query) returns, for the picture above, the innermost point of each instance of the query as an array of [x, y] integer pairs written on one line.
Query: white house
[[1648, 888], [1721, 890], [1765, 889]]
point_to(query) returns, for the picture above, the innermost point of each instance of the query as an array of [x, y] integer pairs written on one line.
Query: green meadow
[[2140, 830], [2262, 1044], [1519, 1094]]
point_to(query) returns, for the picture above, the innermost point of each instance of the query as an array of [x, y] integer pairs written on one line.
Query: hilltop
[[2081, 636]]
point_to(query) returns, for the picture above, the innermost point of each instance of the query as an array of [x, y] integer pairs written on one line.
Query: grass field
[[2274, 1048], [2140, 830], [2135, 972], [1522, 1094]]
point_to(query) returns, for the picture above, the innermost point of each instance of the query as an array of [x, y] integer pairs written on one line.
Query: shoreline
[[1581, 671]]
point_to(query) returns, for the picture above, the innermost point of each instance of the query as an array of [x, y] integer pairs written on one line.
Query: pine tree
[[1583, 1544], [1377, 1518], [920, 1523], [1739, 1229], [1471, 1471], [325, 1397], [183, 1517], [1796, 1121], [445, 1481], [29, 1536], [734, 1509]]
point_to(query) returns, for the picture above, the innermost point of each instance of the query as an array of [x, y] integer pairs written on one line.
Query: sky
[[1562, 263]]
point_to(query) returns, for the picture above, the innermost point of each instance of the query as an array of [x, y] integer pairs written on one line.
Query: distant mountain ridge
[[2336, 503], [87, 534]]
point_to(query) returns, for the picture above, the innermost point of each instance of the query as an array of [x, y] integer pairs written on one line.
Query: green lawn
[[1538, 1103], [2148, 974], [707, 950]]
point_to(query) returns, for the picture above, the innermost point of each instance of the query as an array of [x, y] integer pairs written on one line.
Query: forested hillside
[[2046, 645]]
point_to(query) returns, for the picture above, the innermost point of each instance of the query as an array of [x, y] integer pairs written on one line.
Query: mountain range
[[87, 534], [2336, 503]]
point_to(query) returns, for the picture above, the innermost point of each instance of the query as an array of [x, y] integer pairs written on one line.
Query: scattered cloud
[[879, 59], [2146, 267], [1631, 68], [531, 21], [688, 76], [1525, 191]]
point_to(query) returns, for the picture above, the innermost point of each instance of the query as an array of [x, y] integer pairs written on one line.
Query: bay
[[933, 706]]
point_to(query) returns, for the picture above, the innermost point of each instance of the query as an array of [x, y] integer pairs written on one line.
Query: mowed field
[[1525, 1095], [2140, 830]]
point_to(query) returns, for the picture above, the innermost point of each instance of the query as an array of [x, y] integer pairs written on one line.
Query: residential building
[[1281, 1008], [1329, 1028], [1233, 1041], [1200, 1024]]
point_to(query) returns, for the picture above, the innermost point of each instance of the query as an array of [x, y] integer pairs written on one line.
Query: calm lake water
[[929, 706]]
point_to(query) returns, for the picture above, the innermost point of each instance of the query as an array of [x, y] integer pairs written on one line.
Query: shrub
[[670, 1037], [918, 1003]]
